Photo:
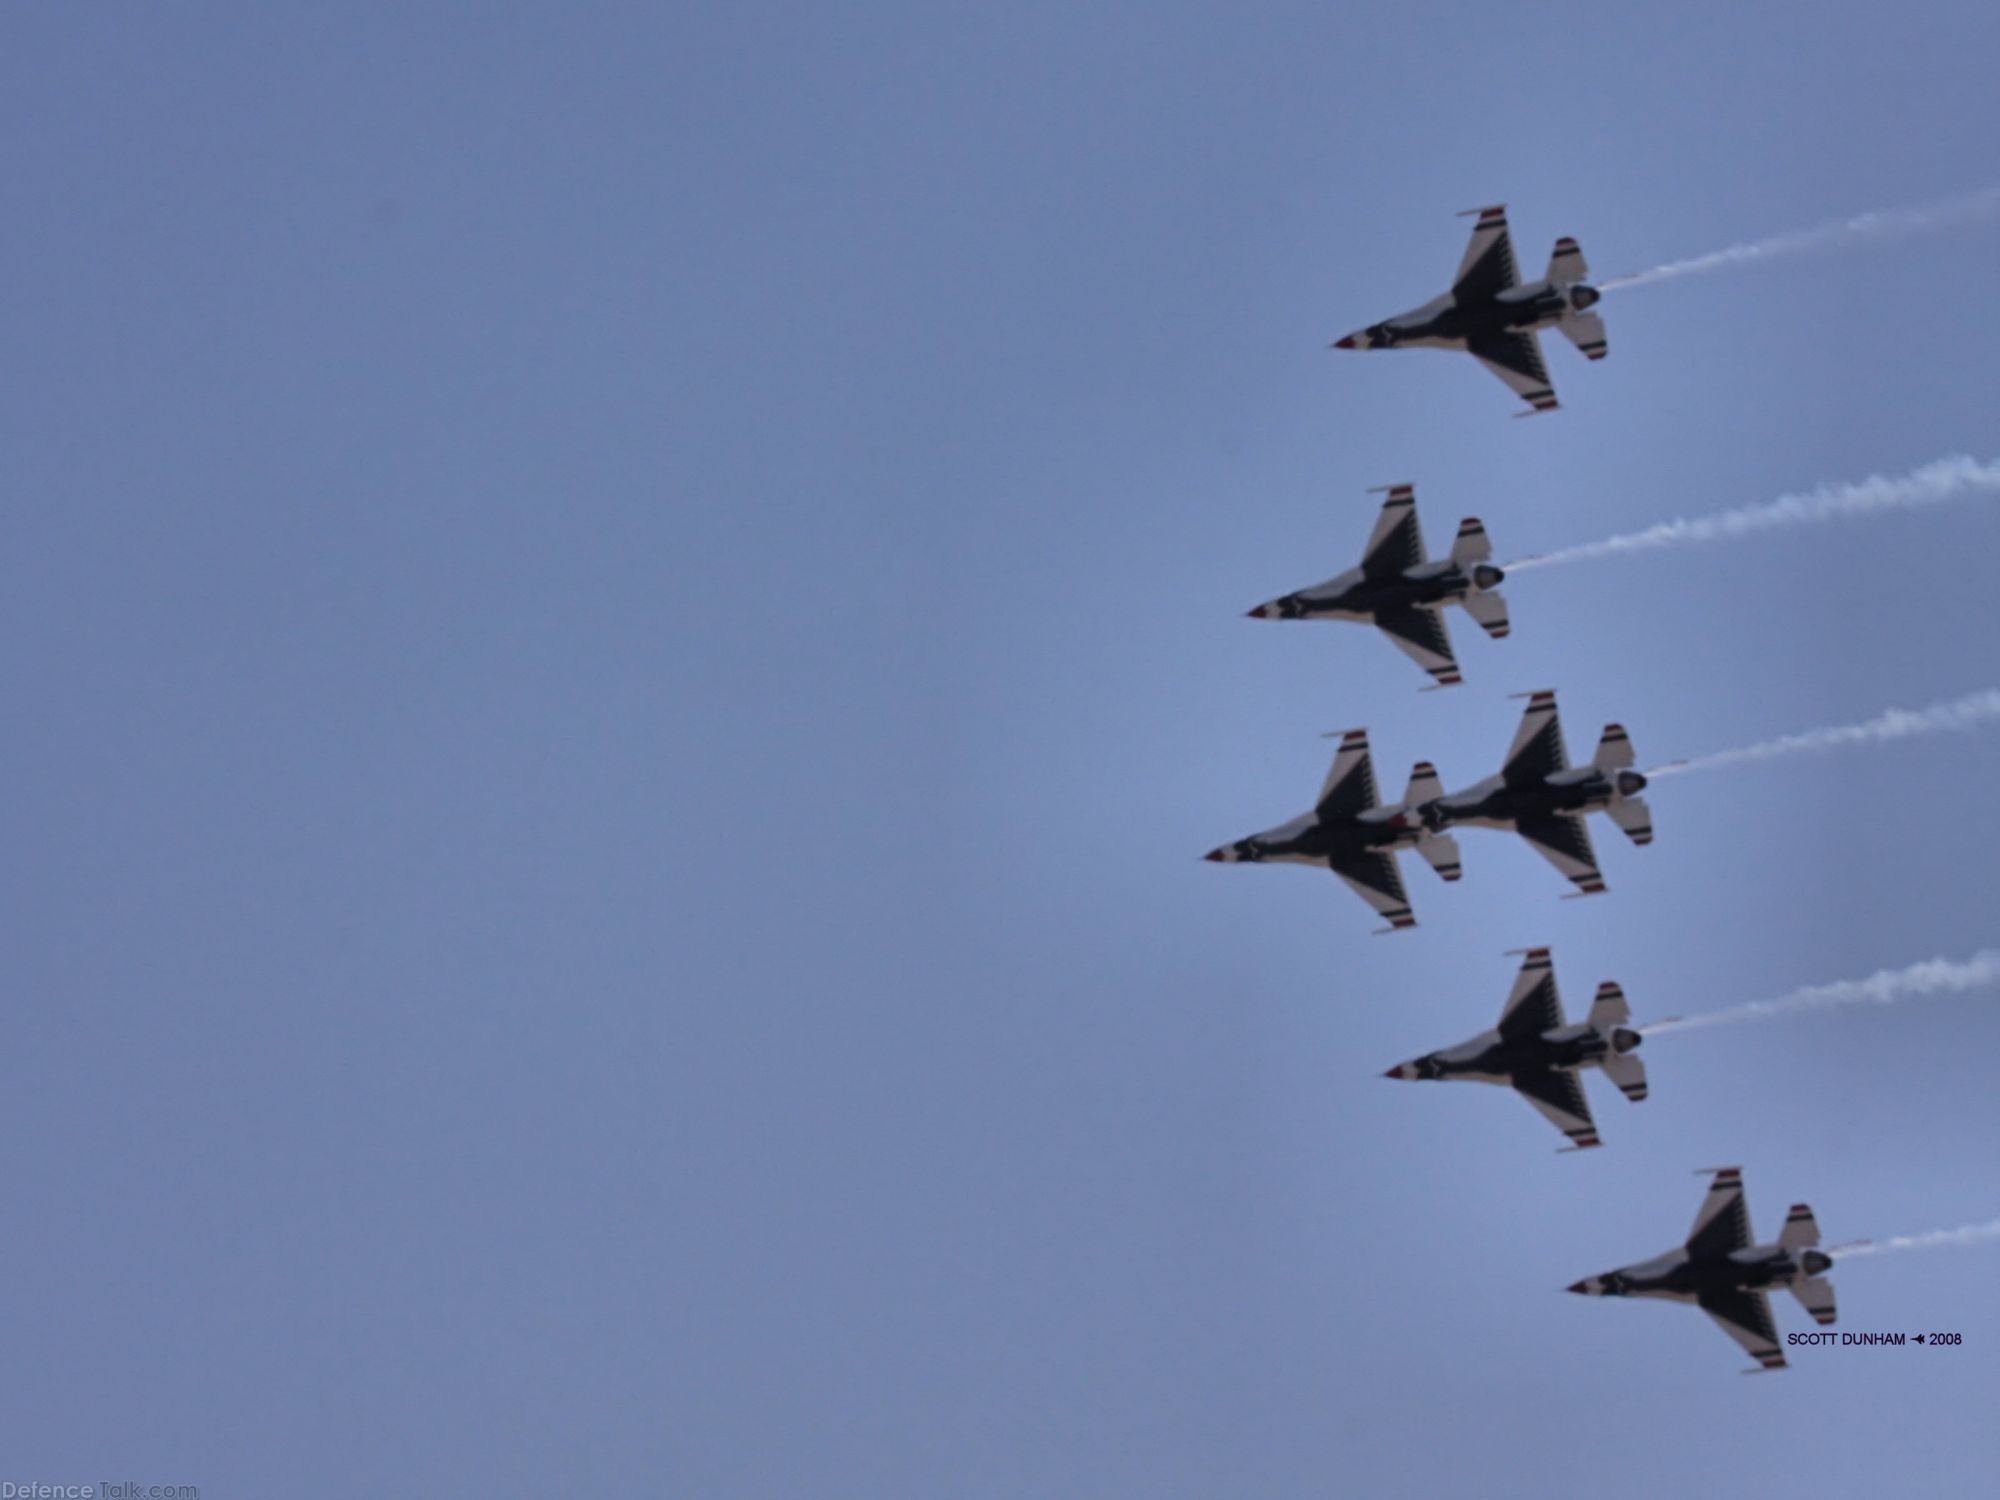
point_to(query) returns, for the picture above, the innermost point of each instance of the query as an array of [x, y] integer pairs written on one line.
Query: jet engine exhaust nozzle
[[1630, 783], [1625, 1039], [1582, 296], [1815, 1262], [1486, 576]]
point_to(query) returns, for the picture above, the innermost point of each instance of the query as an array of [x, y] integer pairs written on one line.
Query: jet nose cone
[[1581, 1288], [1216, 856], [1262, 612], [1401, 1070], [1346, 343]]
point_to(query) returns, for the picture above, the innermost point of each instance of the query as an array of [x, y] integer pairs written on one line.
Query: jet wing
[[1559, 1096], [1349, 790], [1564, 842], [1397, 542], [1537, 750], [1375, 879], [1746, 1317], [1517, 359], [1722, 1223], [1421, 636], [1488, 267], [1534, 1006]]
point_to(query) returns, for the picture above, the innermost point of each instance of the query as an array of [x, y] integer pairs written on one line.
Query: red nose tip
[[1254, 614], [1214, 854], [1346, 343], [1579, 1286], [1395, 1072]]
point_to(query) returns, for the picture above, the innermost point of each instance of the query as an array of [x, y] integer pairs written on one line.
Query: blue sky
[[625, 630]]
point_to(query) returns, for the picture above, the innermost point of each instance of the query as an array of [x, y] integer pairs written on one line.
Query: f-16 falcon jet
[[1534, 1052], [1543, 798], [1728, 1277], [1402, 593], [1490, 315], [1350, 833]]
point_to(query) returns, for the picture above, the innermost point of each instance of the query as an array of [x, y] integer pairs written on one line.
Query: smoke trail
[[1937, 1239], [1884, 224], [1969, 712], [1933, 484], [1934, 976]]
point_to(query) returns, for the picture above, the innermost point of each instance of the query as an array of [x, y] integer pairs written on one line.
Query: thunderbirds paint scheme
[[1493, 317], [1534, 1052], [1404, 594], [1351, 833], [1543, 798], [1728, 1276]]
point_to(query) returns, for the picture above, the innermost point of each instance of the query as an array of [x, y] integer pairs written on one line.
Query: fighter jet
[[1490, 315], [1350, 833], [1531, 1050], [1396, 589], [1726, 1276], [1543, 798]]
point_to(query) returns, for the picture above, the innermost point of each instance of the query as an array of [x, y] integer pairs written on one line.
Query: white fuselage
[[1305, 840], [1446, 323], [1493, 803], [1679, 1277]]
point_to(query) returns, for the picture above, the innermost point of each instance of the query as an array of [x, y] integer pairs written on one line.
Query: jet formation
[[1533, 1048], [1491, 316], [1537, 794]]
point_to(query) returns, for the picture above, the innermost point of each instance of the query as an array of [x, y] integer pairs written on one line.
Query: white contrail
[[1969, 712], [1937, 1239], [1933, 484], [1933, 976], [1883, 224]]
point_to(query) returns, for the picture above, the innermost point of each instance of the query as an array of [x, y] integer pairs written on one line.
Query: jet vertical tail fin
[[1471, 545], [1425, 786], [1583, 329], [1815, 1294], [1586, 331], [1632, 815], [1441, 850], [1566, 262], [1609, 1008], [1614, 750], [1489, 609], [1801, 1231], [1625, 1070]]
